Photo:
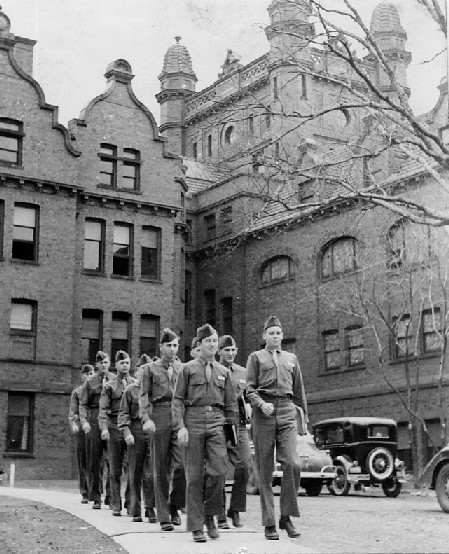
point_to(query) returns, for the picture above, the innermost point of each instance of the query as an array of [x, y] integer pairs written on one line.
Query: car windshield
[[331, 435]]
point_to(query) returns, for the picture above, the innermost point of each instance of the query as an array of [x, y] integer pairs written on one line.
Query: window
[[275, 88], [23, 317], [189, 223], [304, 87], [150, 261], [209, 146], [256, 163], [211, 226], [339, 257], [407, 243], [91, 333], [188, 294], [251, 125], [354, 344], [108, 165], [431, 330], [226, 219], [277, 269], [268, 119], [19, 432], [195, 150], [121, 263], [130, 169], [120, 333], [331, 345], [24, 234], [94, 245], [403, 337], [11, 137], [209, 302], [229, 135], [183, 206], [149, 335], [226, 304], [276, 151]]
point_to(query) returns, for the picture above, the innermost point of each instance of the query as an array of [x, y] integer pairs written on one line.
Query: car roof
[[356, 420]]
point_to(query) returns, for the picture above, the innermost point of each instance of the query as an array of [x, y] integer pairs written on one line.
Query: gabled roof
[[201, 175]]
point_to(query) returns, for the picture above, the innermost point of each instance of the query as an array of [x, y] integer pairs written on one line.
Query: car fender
[[345, 461], [427, 477]]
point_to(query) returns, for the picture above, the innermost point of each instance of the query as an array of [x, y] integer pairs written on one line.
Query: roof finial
[[176, 38]]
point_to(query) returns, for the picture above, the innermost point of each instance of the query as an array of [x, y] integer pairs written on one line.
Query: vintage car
[[436, 477], [363, 450], [316, 465]]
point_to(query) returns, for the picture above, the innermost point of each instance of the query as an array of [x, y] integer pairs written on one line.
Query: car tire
[[380, 463], [340, 485], [313, 487], [392, 487], [442, 487]]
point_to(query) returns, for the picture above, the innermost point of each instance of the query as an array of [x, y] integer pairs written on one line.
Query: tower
[[177, 84]]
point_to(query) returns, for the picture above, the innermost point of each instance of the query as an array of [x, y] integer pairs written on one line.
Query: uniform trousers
[[204, 461], [148, 476], [97, 451], [81, 454], [240, 458], [278, 429], [117, 457], [167, 456], [136, 464]]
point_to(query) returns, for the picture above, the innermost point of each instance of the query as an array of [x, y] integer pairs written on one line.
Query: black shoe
[[286, 523], [151, 515], [167, 526], [84, 501], [96, 506], [222, 523], [212, 530], [271, 533], [174, 516], [137, 519], [235, 518], [198, 536], [107, 501], [116, 512]]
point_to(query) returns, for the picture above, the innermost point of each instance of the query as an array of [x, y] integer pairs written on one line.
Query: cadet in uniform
[[203, 401], [81, 447], [89, 407], [275, 386], [195, 351], [110, 398], [240, 454], [156, 394]]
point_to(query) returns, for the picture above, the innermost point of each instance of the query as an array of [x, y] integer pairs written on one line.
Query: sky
[[77, 39]]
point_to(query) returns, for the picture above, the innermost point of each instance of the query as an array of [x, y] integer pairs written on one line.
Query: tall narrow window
[[188, 294], [229, 135], [226, 219], [94, 245], [11, 136], [19, 430], [211, 226], [276, 152], [189, 237], [149, 335], [226, 304], [91, 335], [432, 340], [130, 170], [108, 165], [120, 333], [304, 87], [211, 310], [23, 317], [354, 343], [121, 263], [151, 239], [268, 119], [24, 235], [403, 336], [251, 125], [275, 88], [209, 146], [331, 346], [195, 150]]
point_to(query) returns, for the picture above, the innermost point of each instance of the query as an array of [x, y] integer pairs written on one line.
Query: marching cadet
[[89, 407], [203, 401], [110, 398], [240, 454], [275, 386], [156, 394], [81, 447]]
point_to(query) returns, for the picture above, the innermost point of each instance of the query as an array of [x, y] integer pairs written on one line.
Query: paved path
[[139, 538]]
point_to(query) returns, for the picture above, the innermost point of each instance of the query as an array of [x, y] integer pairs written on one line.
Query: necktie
[[208, 372], [170, 374], [104, 380], [124, 384], [275, 360]]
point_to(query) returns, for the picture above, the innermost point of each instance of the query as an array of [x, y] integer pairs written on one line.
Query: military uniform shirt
[[91, 392], [156, 386], [75, 398], [129, 407], [110, 398]]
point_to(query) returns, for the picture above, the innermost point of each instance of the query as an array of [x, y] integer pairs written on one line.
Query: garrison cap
[[226, 340], [121, 355], [168, 335], [272, 321], [205, 331], [100, 356], [87, 368]]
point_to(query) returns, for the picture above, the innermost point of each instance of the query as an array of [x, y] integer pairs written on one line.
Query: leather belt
[[205, 408]]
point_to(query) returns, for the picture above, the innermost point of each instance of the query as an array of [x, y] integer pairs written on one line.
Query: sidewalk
[[140, 538]]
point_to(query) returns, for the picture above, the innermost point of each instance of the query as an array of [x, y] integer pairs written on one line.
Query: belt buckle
[[208, 408]]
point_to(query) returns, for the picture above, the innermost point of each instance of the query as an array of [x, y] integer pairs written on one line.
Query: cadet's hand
[[267, 408], [149, 427], [86, 427], [183, 436], [129, 439], [105, 435], [74, 427]]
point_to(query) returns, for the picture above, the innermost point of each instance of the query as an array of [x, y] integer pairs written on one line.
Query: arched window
[[338, 257], [277, 269], [229, 135], [407, 243]]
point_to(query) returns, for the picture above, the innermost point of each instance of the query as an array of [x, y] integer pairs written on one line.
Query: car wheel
[[340, 485], [442, 488], [392, 487], [380, 463], [313, 487]]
